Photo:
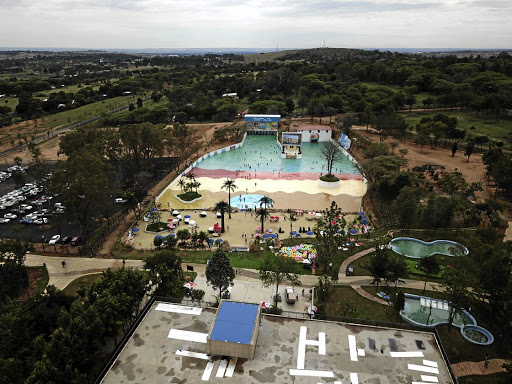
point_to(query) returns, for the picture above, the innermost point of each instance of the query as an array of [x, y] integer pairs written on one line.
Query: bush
[[156, 227], [329, 178], [189, 196]]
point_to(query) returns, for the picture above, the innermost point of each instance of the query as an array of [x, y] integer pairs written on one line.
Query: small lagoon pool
[[416, 248]]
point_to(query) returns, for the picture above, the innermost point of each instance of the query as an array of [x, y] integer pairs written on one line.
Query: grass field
[[483, 125], [72, 288]]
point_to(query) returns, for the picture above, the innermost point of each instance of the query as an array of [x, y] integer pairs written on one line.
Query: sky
[[139, 24]]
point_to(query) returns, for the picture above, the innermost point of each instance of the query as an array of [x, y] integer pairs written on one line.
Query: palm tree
[[262, 213], [202, 237], [291, 216], [230, 186], [221, 207], [181, 183], [267, 201]]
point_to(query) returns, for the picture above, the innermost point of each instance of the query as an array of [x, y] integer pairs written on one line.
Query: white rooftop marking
[[431, 379], [222, 368], [337, 382], [422, 368], [301, 353], [307, 372], [207, 372], [430, 363], [197, 355], [178, 334], [419, 382], [178, 309], [321, 343], [354, 379], [360, 352], [231, 367], [352, 347], [407, 354]]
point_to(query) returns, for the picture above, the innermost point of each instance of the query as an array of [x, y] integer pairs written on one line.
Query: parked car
[[76, 240], [3, 220], [120, 200], [54, 240], [25, 221], [41, 220], [66, 240], [58, 211], [290, 295], [10, 216]]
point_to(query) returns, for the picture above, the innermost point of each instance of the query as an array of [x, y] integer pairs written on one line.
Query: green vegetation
[[329, 178], [189, 196], [157, 227], [83, 281]]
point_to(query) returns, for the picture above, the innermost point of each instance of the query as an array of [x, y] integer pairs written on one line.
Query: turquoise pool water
[[262, 153], [246, 201], [415, 248], [418, 313]]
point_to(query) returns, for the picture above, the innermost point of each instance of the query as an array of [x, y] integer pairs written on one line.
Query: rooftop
[[314, 128], [169, 345], [235, 322]]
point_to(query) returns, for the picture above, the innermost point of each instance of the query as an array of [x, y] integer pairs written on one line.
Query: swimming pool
[[263, 154], [416, 248]]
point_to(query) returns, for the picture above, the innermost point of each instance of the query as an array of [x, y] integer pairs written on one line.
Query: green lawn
[[73, 287], [10, 102], [483, 125]]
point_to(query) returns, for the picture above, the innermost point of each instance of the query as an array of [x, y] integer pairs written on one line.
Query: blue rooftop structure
[[235, 322]]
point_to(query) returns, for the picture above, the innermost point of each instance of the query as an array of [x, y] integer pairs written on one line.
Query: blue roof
[[235, 322]]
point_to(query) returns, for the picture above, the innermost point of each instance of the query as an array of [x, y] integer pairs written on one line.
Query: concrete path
[[343, 268], [75, 267], [470, 368]]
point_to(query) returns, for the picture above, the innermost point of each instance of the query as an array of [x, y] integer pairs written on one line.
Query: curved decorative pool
[[415, 248], [426, 311]]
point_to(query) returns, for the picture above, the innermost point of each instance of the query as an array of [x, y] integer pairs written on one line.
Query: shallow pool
[[262, 153], [417, 309], [416, 248], [246, 201]]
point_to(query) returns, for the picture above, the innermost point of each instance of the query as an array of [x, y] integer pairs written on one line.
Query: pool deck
[[262, 175]]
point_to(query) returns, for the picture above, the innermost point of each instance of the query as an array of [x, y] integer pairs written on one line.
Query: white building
[[313, 133]]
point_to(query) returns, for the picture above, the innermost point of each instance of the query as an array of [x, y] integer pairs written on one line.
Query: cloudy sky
[[256, 23]]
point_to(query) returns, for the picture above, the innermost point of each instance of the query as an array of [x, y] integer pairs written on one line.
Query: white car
[[10, 216], [120, 200], [4, 220], [54, 240], [26, 207], [41, 220]]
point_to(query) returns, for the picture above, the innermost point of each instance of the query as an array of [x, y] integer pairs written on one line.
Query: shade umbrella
[[318, 214], [306, 261], [135, 229], [211, 229], [187, 220], [159, 237], [353, 231], [170, 220], [294, 233], [273, 235], [178, 217], [155, 209], [175, 220], [203, 214], [211, 241], [310, 233], [220, 240], [175, 213], [267, 236], [171, 235], [219, 214], [171, 226], [192, 222], [187, 216]]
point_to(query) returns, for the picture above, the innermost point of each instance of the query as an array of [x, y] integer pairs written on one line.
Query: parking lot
[[30, 213]]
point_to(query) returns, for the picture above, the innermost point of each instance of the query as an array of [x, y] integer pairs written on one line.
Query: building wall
[[324, 134]]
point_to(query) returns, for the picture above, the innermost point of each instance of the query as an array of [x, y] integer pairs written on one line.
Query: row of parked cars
[[56, 239]]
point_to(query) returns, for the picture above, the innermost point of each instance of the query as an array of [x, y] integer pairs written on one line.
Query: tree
[[470, 147], [397, 270], [274, 269], [328, 231], [262, 214], [430, 265], [166, 274], [291, 218], [80, 182], [266, 201], [399, 303], [455, 147], [378, 266], [456, 283], [331, 154], [230, 186], [219, 272], [221, 207]]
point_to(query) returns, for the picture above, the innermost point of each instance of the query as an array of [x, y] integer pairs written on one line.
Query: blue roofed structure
[[235, 330]]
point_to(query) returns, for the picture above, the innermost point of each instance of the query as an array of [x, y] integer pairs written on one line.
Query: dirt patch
[[34, 275]]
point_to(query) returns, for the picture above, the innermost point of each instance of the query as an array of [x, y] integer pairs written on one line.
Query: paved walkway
[[470, 368]]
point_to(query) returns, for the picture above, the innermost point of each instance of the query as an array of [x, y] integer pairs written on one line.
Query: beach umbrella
[[155, 209], [187, 216], [267, 236], [172, 226], [175, 213], [159, 237], [219, 214], [318, 214], [171, 235], [191, 222], [273, 235], [135, 229], [211, 241], [341, 232], [353, 231], [170, 220], [178, 217], [310, 233], [220, 240], [187, 220], [175, 220], [203, 213], [294, 233], [297, 235], [210, 229]]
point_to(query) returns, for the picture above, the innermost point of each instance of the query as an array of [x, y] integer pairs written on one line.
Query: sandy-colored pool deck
[[240, 223], [295, 194]]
